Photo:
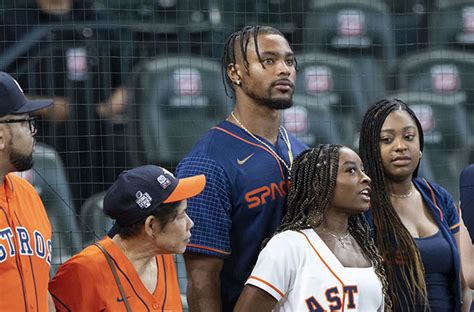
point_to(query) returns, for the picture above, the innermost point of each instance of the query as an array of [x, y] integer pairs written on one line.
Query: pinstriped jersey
[[25, 247], [86, 283], [302, 274], [243, 201]]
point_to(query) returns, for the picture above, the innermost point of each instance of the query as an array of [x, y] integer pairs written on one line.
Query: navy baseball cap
[[466, 194], [139, 191], [13, 100]]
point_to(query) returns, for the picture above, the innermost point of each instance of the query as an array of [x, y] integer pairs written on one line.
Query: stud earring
[[421, 154], [237, 82]]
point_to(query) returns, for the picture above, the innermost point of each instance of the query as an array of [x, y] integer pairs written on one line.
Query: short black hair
[[242, 36], [165, 213]]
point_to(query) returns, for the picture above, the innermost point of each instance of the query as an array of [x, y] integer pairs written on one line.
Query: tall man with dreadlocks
[[415, 221], [323, 258], [247, 160]]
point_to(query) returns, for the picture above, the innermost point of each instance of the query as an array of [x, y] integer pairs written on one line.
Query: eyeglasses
[[30, 122]]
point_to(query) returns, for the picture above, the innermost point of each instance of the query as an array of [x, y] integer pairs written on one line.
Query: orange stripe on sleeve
[[268, 284]]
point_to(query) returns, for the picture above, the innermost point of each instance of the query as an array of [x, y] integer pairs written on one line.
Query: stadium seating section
[[176, 100]]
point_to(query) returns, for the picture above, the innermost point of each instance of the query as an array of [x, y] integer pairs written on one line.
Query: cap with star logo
[[139, 191]]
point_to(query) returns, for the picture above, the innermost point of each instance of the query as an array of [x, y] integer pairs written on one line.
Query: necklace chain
[[284, 136], [404, 195], [341, 239]]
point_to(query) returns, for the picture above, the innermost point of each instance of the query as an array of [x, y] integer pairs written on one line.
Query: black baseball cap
[[13, 100], [139, 191]]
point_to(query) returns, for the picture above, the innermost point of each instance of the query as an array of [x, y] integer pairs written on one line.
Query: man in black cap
[[148, 205], [25, 231]]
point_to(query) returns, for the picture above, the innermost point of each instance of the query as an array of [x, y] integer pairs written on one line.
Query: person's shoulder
[[431, 186], [23, 189], [289, 234], [85, 268], [90, 259], [20, 184], [287, 239], [466, 178], [437, 195], [297, 145], [469, 168], [206, 141], [287, 246], [90, 253], [216, 142]]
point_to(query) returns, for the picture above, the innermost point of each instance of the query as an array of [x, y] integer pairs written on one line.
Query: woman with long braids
[[415, 222], [322, 257]]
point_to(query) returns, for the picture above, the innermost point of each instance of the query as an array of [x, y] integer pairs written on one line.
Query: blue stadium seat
[[286, 15], [200, 27], [175, 100], [451, 24], [410, 24], [358, 29], [445, 72], [311, 122], [94, 223], [48, 176], [171, 26], [329, 92], [446, 131]]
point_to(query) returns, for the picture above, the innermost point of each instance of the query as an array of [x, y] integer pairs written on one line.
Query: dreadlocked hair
[[313, 177], [240, 40], [407, 279], [360, 230], [313, 180]]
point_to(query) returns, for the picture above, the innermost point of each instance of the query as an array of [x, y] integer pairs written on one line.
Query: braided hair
[[240, 40], [406, 280], [313, 177]]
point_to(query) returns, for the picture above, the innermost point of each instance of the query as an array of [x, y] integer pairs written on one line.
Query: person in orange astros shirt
[[132, 269], [25, 230]]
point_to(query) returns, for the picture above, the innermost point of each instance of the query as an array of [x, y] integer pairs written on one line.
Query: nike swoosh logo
[[243, 161]]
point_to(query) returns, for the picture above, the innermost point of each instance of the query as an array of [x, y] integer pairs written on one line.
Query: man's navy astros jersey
[[243, 201]]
